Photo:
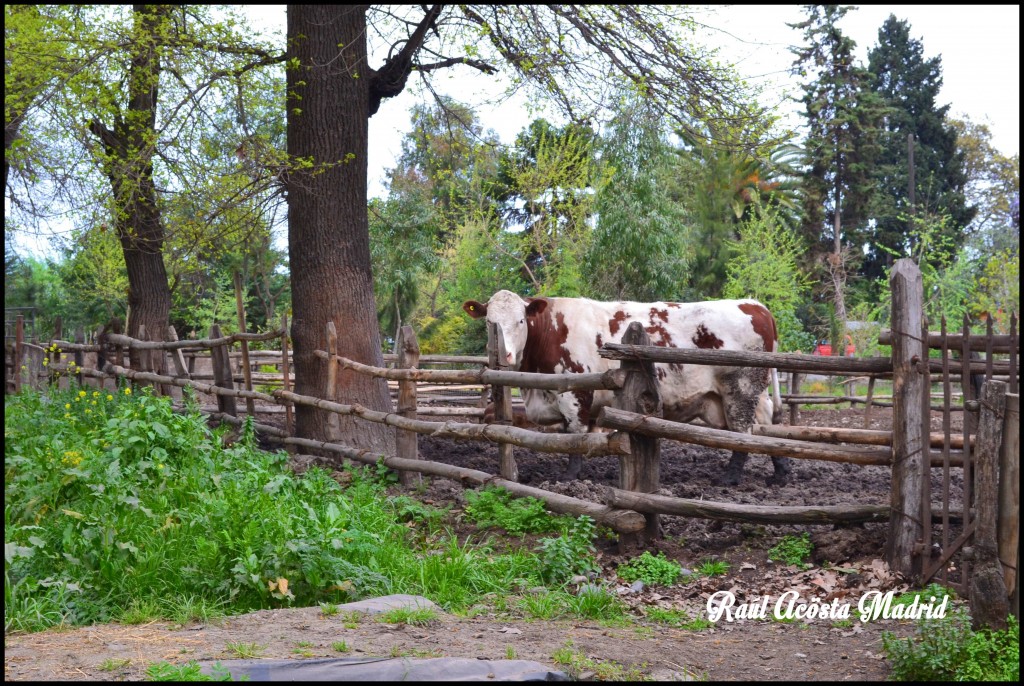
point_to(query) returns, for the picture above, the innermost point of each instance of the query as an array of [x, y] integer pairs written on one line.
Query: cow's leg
[[734, 470], [783, 468], [766, 415], [575, 409]]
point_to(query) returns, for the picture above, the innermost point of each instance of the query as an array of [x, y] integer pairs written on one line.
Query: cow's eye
[[522, 321]]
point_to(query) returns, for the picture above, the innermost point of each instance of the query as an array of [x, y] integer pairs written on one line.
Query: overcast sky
[[979, 46]]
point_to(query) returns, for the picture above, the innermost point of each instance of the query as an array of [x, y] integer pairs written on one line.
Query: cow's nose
[[510, 358]]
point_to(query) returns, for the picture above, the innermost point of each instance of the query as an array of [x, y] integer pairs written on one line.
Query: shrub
[[570, 554], [496, 507], [948, 649], [651, 570]]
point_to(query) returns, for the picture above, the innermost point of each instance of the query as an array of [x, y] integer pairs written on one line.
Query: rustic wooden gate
[[966, 539]]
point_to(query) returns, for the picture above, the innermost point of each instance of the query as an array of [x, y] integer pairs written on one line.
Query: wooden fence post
[[988, 596], [867, 402], [1008, 529], [640, 471], [501, 396], [178, 362], [794, 407], [333, 421], [79, 355], [19, 350], [905, 545], [145, 357], [286, 373], [406, 441], [222, 376], [250, 404]]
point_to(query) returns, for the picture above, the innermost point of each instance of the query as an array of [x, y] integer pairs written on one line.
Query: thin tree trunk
[[328, 228]]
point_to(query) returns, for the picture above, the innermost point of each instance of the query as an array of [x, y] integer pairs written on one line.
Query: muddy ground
[[846, 564]]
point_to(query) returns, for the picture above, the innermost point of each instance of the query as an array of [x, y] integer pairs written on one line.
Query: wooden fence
[[988, 538]]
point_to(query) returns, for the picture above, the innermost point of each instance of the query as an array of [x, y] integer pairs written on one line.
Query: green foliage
[[651, 569], [948, 274], [909, 85], [117, 507], [793, 550], [764, 266], [948, 649], [576, 663], [546, 184], [843, 117], [190, 671], [570, 554], [639, 247], [997, 288], [496, 507]]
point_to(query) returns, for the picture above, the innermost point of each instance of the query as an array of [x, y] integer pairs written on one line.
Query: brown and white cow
[[563, 335]]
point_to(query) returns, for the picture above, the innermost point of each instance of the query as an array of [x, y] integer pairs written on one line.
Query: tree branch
[[390, 80], [479, 65]]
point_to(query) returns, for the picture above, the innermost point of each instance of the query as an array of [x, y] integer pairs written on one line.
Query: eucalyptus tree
[[124, 137], [641, 247], [564, 53]]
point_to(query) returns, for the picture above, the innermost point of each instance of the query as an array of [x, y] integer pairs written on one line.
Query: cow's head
[[512, 315]]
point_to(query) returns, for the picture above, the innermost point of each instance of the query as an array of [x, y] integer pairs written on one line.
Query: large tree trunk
[[128, 163], [328, 228]]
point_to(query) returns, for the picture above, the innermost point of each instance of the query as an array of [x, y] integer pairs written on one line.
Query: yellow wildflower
[[127, 391], [95, 394], [82, 394], [67, 406], [109, 397]]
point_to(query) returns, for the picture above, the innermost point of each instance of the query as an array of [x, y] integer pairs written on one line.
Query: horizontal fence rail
[[790, 362]]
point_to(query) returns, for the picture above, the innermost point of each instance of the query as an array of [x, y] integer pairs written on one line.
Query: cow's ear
[[535, 306], [474, 309]]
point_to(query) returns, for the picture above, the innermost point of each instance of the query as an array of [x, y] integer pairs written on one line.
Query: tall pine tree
[[909, 86], [842, 119]]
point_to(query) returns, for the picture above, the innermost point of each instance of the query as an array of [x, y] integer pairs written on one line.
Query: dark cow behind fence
[[563, 336]]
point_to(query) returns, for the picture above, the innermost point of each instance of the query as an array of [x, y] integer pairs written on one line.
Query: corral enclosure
[[852, 483]]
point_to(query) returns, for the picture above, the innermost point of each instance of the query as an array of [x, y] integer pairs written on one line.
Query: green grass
[[114, 664], [119, 509], [340, 647], [190, 671], [245, 651], [713, 568], [679, 619], [577, 664], [125, 510], [793, 550], [418, 616]]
